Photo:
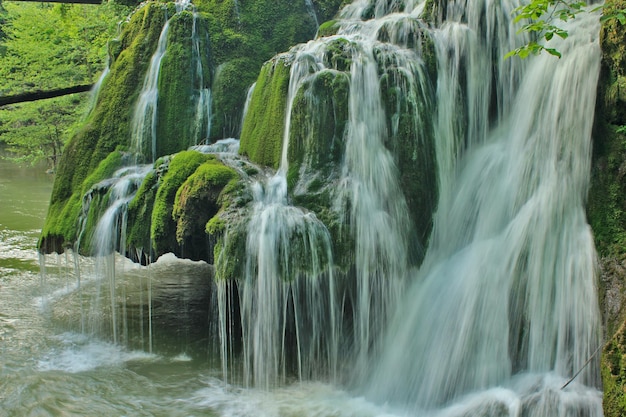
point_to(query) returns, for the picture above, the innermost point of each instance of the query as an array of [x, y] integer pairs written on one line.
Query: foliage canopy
[[46, 46]]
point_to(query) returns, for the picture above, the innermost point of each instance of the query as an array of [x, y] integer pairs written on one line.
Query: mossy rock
[[230, 89], [606, 205], [339, 54], [318, 125], [183, 77], [242, 37], [196, 202], [139, 217], [264, 126], [327, 9], [228, 232], [433, 12], [613, 376], [328, 28], [163, 226], [408, 105]]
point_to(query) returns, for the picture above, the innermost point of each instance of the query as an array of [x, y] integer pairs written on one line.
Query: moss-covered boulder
[[197, 202], [163, 224], [264, 127], [186, 74]]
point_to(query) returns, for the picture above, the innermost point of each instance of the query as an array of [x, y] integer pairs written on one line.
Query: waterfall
[[286, 295], [202, 122], [95, 90], [110, 236], [502, 311], [145, 116], [504, 306], [489, 306], [144, 123], [311, 10]]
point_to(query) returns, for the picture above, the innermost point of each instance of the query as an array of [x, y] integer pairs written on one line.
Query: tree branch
[[41, 95]]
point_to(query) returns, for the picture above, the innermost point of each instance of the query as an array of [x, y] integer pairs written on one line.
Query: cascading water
[[110, 236], [505, 302], [145, 116], [503, 310], [311, 10], [144, 123], [202, 127], [95, 90], [287, 288]]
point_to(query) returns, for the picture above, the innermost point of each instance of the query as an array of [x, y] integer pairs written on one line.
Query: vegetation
[[42, 47], [163, 227], [262, 134], [196, 203], [541, 18]]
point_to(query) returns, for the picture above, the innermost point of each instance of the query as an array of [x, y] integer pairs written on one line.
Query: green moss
[[613, 367], [140, 214], [230, 251], [232, 80], [408, 106], [327, 9], [71, 212], [163, 227], [319, 119], [433, 12], [339, 54], [606, 207], [242, 38], [196, 203], [227, 229], [263, 129], [328, 28], [180, 86]]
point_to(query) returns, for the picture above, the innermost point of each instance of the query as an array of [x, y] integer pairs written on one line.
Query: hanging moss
[[232, 80], [263, 129], [163, 226], [196, 202]]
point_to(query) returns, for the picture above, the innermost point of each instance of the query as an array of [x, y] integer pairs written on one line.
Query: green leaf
[[553, 52]]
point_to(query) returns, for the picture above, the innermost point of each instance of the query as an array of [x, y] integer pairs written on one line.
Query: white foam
[[303, 400], [79, 353]]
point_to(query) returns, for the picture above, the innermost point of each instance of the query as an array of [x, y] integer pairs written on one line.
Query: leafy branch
[[542, 17]]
